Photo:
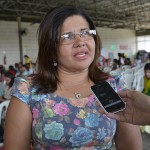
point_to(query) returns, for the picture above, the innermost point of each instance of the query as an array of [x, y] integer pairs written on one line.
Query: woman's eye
[[67, 37], [85, 33]]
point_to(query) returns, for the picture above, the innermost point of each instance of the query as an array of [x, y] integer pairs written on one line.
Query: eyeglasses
[[69, 38]]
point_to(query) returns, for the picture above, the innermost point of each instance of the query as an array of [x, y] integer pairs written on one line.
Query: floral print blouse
[[67, 124]]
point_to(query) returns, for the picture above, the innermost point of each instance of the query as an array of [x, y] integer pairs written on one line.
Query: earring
[[55, 63]]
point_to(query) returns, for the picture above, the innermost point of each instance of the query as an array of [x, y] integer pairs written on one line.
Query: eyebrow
[[73, 32], [66, 33]]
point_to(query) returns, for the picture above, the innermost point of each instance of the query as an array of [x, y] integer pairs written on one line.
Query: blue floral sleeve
[[117, 83], [20, 89]]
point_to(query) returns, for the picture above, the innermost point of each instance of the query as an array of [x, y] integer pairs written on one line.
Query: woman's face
[[79, 54]]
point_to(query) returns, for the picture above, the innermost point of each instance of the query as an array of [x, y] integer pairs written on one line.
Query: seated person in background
[[27, 59], [127, 61], [146, 89], [9, 80], [101, 61], [2, 73], [115, 64], [121, 58], [1, 90], [24, 71], [12, 70]]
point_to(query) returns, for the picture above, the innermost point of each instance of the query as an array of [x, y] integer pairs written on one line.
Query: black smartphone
[[109, 100]]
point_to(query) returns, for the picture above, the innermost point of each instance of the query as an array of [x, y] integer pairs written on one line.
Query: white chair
[[115, 72], [145, 129], [135, 69], [140, 83], [141, 70], [129, 71], [107, 69], [3, 109], [137, 75], [128, 78], [124, 67]]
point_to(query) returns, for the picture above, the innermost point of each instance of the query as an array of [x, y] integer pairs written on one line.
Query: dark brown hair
[[147, 66], [47, 76]]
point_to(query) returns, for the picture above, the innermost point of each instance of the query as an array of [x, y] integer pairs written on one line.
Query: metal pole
[[20, 39]]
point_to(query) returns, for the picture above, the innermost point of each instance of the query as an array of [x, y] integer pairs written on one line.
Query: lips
[[81, 54]]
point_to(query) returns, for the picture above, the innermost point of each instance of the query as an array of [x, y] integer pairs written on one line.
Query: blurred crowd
[[7, 76], [123, 60]]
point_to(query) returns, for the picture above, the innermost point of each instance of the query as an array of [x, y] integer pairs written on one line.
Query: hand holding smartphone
[[109, 100]]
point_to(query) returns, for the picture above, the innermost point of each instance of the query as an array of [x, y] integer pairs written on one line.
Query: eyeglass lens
[[70, 38]]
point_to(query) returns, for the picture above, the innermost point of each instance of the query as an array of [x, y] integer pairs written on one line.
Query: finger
[[112, 116], [101, 111], [118, 116], [122, 94]]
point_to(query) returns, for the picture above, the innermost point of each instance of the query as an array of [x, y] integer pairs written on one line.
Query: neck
[[74, 84], [73, 78]]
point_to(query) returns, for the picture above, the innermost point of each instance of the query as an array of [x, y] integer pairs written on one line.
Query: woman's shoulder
[[21, 89], [23, 81], [20, 79]]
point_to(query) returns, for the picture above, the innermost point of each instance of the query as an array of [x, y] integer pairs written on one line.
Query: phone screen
[[108, 98]]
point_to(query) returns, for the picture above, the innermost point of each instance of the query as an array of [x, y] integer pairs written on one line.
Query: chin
[[84, 68]]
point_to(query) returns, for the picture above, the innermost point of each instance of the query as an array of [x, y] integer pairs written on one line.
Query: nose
[[79, 42], [78, 37]]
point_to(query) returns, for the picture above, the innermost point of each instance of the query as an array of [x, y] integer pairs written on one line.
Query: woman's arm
[[128, 137], [17, 133]]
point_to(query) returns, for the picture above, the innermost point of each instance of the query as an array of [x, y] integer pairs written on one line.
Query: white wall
[[117, 37], [9, 42]]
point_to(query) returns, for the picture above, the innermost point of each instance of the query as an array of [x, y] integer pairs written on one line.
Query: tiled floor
[[146, 142]]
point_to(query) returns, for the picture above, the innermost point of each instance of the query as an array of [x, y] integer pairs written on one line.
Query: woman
[[9, 80], [57, 110]]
